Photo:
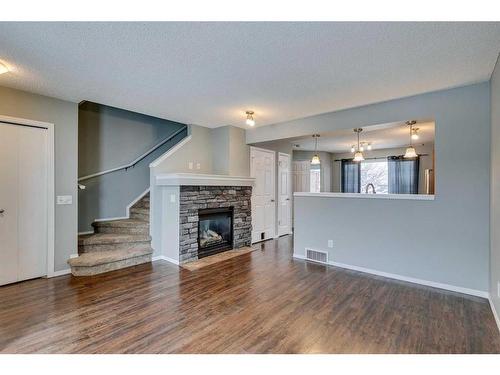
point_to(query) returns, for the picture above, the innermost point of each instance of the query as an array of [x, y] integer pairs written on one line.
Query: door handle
[[272, 200], [288, 199], [2, 211]]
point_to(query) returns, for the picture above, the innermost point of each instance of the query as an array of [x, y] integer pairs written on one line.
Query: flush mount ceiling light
[[250, 121], [3, 68], [414, 134], [315, 159], [358, 155], [410, 151]]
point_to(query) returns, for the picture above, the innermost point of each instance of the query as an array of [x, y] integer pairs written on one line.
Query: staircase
[[115, 244]]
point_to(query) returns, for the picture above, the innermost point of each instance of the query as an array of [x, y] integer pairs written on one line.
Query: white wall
[[426, 153], [452, 243], [495, 189], [64, 116], [325, 166]]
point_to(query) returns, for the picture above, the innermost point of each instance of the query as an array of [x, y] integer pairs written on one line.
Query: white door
[[284, 194], [301, 176], [262, 168], [23, 202]]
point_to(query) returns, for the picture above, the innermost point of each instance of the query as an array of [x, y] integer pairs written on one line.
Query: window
[[375, 172], [315, 179]]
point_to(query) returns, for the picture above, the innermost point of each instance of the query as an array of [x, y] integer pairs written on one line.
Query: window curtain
[[351, 176], [403, 175]]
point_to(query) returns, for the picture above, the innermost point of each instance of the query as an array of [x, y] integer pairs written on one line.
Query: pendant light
[[410, 151], [315, 159], [358, 155], [250, 121]]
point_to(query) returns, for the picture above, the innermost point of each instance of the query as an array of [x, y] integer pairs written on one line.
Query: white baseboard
[[87, 232], [453, 288], [111, 218], [495, 314], [163, 257], [59, 273]]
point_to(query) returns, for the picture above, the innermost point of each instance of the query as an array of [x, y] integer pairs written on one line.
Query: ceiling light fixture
[[315, 159], [353, 149], [3, 68], [369, 147], [250, 121], [414, 134], [410, 151], [358, 156]]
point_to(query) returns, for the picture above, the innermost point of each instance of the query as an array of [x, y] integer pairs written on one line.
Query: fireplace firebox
[[215, 230]]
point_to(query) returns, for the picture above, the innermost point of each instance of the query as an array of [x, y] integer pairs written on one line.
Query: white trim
[[137, 199], [169, 153], [453, 288], [112, 218], [178, 179], [51, 191], [60, 273], [136, 160], [163, 257], [87, 232], [415, 197], [495, 314]]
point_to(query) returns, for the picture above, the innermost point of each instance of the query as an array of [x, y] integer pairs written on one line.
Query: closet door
[[8, 203], [23, 202]]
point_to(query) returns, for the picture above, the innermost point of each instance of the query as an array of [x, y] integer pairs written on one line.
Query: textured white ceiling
[[380, 136], [210, 73]]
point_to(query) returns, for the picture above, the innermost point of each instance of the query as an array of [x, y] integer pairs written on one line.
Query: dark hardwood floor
[[261, 302]]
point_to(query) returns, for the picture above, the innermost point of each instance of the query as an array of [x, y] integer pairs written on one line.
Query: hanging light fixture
[[358, 155], [315, 159], [410, 151], [250, 121], [353, 149], [414, 134], [369, 147]]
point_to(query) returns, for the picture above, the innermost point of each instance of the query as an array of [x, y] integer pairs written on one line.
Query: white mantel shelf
[[193, 179], [415, 197]]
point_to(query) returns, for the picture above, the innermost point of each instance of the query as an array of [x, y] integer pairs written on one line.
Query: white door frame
[[50, 183], [275, 229], [290, 189]]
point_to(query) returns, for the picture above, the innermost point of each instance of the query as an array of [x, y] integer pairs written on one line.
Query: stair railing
[[133, 162]]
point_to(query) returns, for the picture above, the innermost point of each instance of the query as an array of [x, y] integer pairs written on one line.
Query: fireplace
[[215, 230]]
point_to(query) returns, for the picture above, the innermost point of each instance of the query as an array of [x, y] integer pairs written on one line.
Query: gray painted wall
[[64, 116], [452, 242], [108, 138], [426, 151], [495, 188]]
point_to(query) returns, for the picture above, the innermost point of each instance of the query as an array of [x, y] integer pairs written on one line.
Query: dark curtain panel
[[403, 175], [351, 176]]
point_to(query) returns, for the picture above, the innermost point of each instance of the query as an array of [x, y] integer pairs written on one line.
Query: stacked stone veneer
[[194, 198]]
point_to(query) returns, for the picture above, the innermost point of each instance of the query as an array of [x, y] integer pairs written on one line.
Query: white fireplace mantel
[[193, 179]]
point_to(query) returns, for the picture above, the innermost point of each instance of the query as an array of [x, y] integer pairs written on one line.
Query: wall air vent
[[317, 256]]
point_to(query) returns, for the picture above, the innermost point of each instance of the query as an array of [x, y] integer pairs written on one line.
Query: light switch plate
[[190, 165], [172, 198], [64, 199]]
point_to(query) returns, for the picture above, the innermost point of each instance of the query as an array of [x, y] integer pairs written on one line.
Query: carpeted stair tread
[[122, 223], [103, 257], [111, 238]]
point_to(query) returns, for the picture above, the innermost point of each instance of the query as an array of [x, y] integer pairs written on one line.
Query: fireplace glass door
[[215, 231]]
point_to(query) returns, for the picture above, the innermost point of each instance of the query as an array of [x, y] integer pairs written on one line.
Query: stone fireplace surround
[[194, 198], [175, 201]]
